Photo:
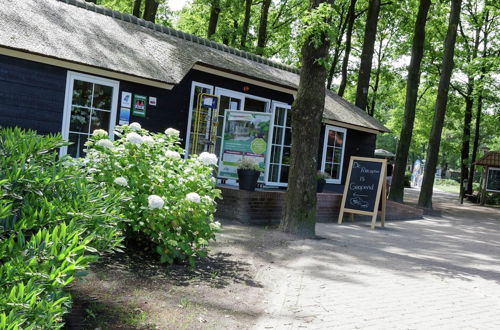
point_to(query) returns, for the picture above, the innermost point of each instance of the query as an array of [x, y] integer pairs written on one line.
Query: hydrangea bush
[[169, 201]]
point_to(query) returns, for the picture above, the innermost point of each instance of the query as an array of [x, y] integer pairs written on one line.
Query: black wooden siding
[[31, 95]]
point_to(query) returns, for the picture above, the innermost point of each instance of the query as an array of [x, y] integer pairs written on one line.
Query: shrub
[[52, 223], [169, 201]]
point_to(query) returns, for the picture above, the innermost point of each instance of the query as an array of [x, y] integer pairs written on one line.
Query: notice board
[[365, 188], [493, 179]]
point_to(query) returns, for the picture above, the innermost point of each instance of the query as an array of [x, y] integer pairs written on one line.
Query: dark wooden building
[[69, 66]]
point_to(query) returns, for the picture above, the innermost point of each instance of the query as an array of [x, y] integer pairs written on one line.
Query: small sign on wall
[[152, 101], [124, 116], [126, 100], [139, 107]]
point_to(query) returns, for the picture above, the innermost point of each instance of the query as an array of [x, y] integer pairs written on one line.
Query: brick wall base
[[264, 207]]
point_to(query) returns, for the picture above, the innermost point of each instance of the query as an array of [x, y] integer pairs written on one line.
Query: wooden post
[[485, 179]]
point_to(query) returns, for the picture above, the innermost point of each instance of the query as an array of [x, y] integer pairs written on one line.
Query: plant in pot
[[321, 180], [248, 174]]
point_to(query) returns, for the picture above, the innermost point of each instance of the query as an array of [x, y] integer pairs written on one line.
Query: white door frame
[[192, 101], [70, 79], [275, 105], [325, 144]]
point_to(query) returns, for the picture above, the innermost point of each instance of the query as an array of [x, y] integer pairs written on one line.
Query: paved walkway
[[435, 273]]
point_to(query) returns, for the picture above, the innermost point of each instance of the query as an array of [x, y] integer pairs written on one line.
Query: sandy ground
[[440, 272]]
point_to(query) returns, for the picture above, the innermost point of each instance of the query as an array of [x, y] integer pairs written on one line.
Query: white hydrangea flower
[[193, 197], [134, 138], [121, 181], [148, 140], [215, 225], [135, 126], [208, 199], [105, 143], [100, 132], [172, 132], [208, 158], [172, 154], [155, 202]]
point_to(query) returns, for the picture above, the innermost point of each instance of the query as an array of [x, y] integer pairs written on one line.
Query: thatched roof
[[491, 159], [81, 32]]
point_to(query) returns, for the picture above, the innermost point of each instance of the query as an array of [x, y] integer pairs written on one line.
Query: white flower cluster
[[172, 154], [121, 181], [135, 126], [215, 225], [100, 132], [172, 132], [155, 202], [105, 143], [208, 159], [193, 197], [148, 140], [134, 138]]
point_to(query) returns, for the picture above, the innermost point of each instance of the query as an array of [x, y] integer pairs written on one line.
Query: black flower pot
[[321, 185], [247, 179]]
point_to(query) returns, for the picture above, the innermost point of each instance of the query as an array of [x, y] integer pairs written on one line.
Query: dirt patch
[[224, 290]]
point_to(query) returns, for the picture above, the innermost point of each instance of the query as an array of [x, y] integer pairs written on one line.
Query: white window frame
[[70, 79], [325, 144], [194, 84], [270, 144], [487, 176]]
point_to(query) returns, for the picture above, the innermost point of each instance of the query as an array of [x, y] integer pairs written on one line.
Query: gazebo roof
[[491, 159]]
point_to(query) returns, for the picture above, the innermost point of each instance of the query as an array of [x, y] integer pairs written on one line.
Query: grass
[[447, 185]]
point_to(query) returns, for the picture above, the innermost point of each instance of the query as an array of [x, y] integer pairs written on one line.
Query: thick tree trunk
[[150, 10], [347, 51], [365, 67], [246, 23], [464, 154], [136, 9], [299, 212], [214, 18], [262, 36], [425, 197], [396, 192]]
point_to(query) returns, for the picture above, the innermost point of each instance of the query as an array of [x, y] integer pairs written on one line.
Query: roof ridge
[[177, 33]]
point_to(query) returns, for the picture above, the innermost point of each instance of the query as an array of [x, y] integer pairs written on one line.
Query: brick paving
[[434, 273]]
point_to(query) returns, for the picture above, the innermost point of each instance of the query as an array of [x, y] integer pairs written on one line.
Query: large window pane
[[80, 118], [255, 105], [103, 96], [82, 93], [333, 149], [100, 119]]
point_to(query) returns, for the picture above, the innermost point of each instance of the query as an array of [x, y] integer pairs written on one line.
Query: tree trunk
[[464, 154], [214, 17], [347, 51], [262, 36], [299, 212], [246, 23], [425, 197], [150, 10], [338, 50], [136, 9], [396, 192], [365, 67], [93, 1], [371, 108]]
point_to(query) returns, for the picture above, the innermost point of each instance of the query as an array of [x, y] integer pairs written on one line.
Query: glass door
[[229, 100], [278, 154], [90, 104]]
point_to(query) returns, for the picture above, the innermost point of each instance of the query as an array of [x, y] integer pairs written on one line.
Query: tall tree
[[136, 9], [425, 197], [365, 67], [246, 23], [299, 213], [347, 50], [341, 26], [262, 36], [150, 10], [214, 18], [412, 83]]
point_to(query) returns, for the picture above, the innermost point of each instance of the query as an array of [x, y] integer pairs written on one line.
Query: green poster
[[139, 106], [245, 135]]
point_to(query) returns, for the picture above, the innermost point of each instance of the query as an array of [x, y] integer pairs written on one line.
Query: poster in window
[[493, 180], [245, 135], [139, 107]]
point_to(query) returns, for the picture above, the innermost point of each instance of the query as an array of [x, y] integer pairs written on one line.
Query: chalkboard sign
[[364, 188], [493, 180]]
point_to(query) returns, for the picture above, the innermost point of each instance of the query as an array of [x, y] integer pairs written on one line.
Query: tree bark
[[365, 67], [262, 36], [464, 154], [347, 51], [299, 212], [425, 197], [214, 17], [246, 23], [338, 50], [150, 10], [136, 9], [93, 1], [396, 192], [371, 108]]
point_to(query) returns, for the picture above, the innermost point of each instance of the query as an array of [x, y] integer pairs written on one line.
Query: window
[[90, 104], [279, 151], [196, 89], [333, 153]]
